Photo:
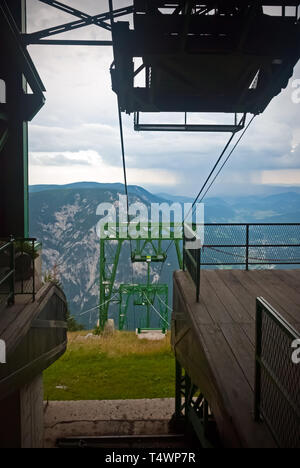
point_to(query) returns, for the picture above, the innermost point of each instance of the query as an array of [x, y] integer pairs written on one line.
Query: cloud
[[80, 119], [65, 168], [58, 159], [285, 178]]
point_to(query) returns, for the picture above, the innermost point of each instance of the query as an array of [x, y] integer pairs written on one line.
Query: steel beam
[[85, 20], [188, 128], [70, 42], [21, 57], [14, 154]]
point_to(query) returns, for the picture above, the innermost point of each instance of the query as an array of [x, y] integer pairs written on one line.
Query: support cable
[[111, 10], [125, 174], [156, 311], [216, 165], [227, 159], [166, 305], [214, 168], [123, 157], [97, 307]]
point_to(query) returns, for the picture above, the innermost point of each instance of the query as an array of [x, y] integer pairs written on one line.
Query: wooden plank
[[216, 367], [30, 370], [8, 316], [279, 280], [220, 354], [20, 327], [286, 297], [249, 329], [290, 277], [242, 348], [237, 393], [190, 351], [215, 307], [257, 287], [235, 308], [198, 311], [241, 293]]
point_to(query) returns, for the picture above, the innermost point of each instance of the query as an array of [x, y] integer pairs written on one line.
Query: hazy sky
[[75, 137]]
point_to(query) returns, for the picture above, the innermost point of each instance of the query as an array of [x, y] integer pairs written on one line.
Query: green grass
[[108, 368]]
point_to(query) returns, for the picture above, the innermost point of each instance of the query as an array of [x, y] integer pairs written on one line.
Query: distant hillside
[[118, 187], [64, 218], [277, 208]]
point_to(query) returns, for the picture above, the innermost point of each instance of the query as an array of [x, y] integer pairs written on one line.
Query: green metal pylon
[[148, 250]]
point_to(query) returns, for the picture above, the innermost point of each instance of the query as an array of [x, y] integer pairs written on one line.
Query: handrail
[[277, 377], [19, 277], [5, 246], [245, 245], [9, 276]]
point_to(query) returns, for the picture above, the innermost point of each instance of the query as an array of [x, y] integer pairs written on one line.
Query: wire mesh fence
[[245, 246], [7, 281], [249, 245], [25, 256], [277, 383], [17, 269]]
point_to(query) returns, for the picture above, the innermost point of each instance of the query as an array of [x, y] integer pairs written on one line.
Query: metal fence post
[[33, 271], [178, 403], [12, 268], [198, 257], [258, 350], [188, 385], [183, 250], [247, 247]]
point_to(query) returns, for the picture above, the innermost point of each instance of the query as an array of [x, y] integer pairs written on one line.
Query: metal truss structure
[[180, 45], [203, 57], [148, 250], [18, 105], [145, 295], [192, 409]]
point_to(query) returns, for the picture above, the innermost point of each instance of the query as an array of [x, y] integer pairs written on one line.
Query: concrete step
[[162, 441], [73, 419]]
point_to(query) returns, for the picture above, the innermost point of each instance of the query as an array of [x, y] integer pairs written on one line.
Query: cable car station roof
[[227, 57], [213, 56]]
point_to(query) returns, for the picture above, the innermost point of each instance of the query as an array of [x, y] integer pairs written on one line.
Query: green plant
[[51, 277], [73, 325], [27, 248]]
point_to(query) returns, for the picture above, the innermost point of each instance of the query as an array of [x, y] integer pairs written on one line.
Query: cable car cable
[[216, 165], [227, 159], [213, 169]]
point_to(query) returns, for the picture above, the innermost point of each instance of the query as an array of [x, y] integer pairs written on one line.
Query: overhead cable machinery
[[204, 56]]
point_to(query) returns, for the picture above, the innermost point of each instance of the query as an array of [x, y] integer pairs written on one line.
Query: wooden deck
[[35, 334], [214, 341]]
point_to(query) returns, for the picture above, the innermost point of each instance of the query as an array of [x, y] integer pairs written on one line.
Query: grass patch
[[113, 367]]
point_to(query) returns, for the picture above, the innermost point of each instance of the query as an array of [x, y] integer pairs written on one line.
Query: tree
[[73, 325]]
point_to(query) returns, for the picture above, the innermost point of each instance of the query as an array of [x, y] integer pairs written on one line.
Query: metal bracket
[[234, 128]]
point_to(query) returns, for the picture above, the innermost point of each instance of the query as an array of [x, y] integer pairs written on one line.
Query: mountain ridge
[[64, 220]]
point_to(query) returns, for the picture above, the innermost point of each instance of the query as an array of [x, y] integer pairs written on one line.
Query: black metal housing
[[225, 57]]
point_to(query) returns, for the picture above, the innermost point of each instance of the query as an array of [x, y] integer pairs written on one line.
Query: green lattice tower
[[144, 295], [148, 250]]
